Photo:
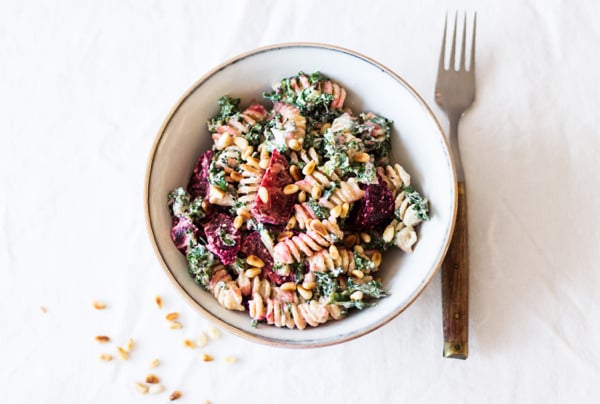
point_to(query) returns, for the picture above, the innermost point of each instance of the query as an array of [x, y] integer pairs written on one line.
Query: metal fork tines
[[454, 93]]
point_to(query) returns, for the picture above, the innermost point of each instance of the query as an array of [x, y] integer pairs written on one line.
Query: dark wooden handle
[[455, 285]]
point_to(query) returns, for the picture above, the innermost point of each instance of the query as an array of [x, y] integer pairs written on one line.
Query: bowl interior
[[418, 145]]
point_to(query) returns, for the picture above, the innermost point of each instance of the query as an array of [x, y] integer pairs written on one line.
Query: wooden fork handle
[[455, 285]]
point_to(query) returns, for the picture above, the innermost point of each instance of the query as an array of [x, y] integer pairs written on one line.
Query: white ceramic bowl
[[418, 144]]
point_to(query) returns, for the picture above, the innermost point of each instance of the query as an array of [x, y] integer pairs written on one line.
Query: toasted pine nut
[[288, 286], [366, 237], [295, 145], [247, 152], [129, 345], [295, 172], [333, 251], [291, 223], [175, 395], [345, 210], [188, 343], [219, 193], [241, 142], [103, 339], [155, 362], [263, 194], [106, 357], [238, 222], [230, 359], [253, 162], [309, 168], [175, 325], [264, 163], [122, 353], [264, 153], [235, 176], [156, 388], [141, 388], [376, 258], [252, 272], [359, 249], [358, 295], [44, 309], [318, 227], [302, 197], [336, 212], [309, 285], [316, 192], [214, 332], [202, 340], [361, 157], [172, 316], [388, 233], [98, 305], [152, 379], [325, 127], [224, 141], [358, 274], [207, 358], [158, 301], [350, 240], [255, 261], [290, 189], [284, 235], [305, 293]]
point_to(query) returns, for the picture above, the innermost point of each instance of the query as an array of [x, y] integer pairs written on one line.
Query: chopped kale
[[320, 212], [200, 264], [225, 237], [228, 107], [216, 176], [363, 263], [418, 203]]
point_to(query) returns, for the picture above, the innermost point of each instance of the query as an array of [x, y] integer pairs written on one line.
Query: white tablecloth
[[85, 87]]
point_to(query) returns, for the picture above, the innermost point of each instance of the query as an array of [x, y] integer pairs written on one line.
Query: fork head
[[455, 88]]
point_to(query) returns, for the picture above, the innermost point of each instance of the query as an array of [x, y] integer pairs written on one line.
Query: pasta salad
[[287, 215]]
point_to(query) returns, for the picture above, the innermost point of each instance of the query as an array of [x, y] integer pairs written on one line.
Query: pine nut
[[263, 194], [345, 210], [358, 274], [309, 168], [230, 359], [172, 316], [361, 157], [333, 251], [291, 223], [316, 192], [129, 345], [302, 197], [309, 285], [98, 305], [103, 339], [156, 388], [175, 325], [264, 163], [241, 142], [376, 258], [288, 286], [155, 362], [290, 189], [106, 357], [235, 176], [359, 249], [152, 379], [252, 272], [158, 301], [247, 152], [358, 295], [366, 237], [238, 222], [388, 233], [295, 172], [305, 293], [175, 395], [324, 128], [295, 145], [284, 235], [122, 353], [224, 141], [207, 358], [141, 388], [214, 332], [336, 212], [255, 261], [318, 227], [350, 240], [202, 340]]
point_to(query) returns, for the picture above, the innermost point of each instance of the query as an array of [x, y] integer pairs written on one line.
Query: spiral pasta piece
[[225, 290], [319, 235], [238, 125]]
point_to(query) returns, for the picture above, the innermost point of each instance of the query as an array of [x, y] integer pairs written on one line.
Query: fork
[[454, 93]]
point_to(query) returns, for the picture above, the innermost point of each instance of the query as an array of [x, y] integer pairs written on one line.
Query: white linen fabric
[[85, 86]]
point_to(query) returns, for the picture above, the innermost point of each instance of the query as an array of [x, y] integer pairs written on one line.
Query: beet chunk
[[183, 233], [376, 207], [223, 239], [253, 245], [278, 209], [198, 185]]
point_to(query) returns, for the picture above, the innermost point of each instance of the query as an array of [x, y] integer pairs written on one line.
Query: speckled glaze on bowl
[[418, 144]]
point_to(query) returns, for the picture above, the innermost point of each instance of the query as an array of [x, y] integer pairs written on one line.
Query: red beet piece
[[376, 206], [222, 238], [278, 209], [253, 245], [198, 185]]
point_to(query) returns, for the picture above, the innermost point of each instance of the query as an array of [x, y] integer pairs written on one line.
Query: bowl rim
[[243, 333]]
